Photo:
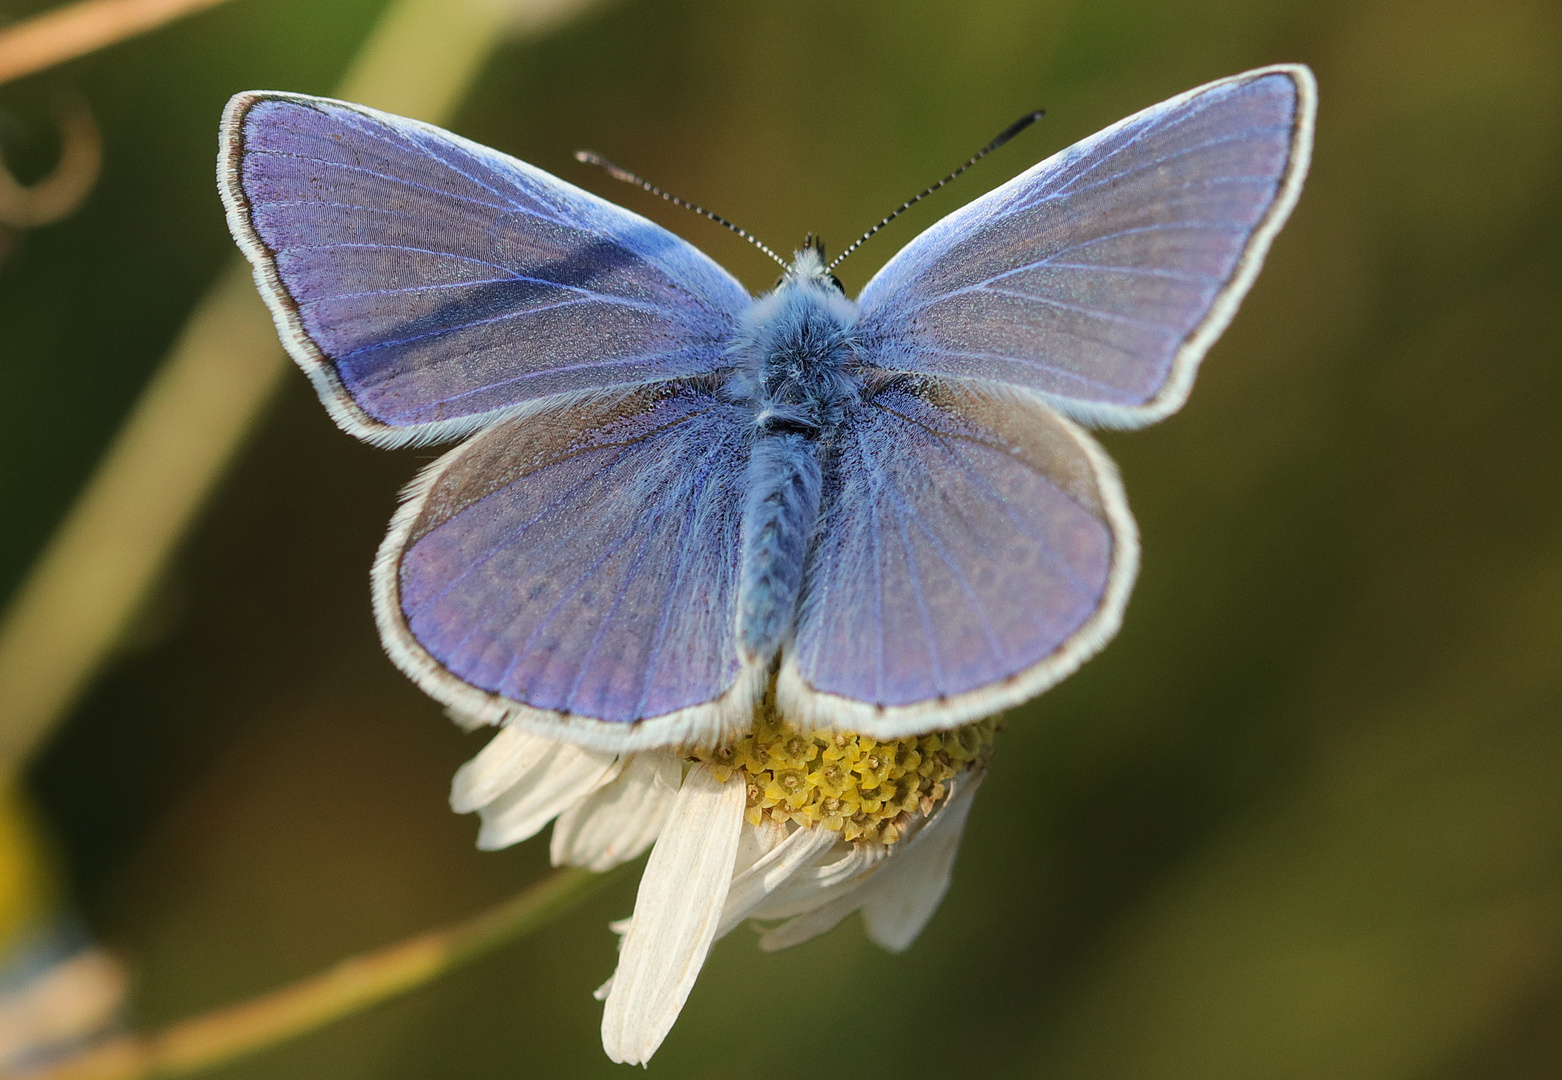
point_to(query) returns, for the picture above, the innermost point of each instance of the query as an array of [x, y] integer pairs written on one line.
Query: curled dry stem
[[63, 190]]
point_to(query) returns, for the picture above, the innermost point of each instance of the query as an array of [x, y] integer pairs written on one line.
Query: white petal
[[500, 765], [676, 913], [620, 819], [467, 721], [565, 775], [913, 885], [750, 888]]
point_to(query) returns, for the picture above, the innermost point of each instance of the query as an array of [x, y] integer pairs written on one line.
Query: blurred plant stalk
[[73, 30], [203, 401], [350, 987]]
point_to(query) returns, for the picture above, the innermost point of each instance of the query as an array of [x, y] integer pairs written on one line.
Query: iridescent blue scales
[[673, 496]]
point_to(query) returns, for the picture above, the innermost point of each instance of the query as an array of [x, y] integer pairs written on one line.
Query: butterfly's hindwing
[[579, 569], [973, 550]]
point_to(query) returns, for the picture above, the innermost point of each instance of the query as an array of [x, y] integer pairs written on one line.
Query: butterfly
[[673, 496]]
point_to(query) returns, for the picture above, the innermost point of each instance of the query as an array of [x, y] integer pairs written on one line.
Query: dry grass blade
[[201, 404], [77, 29]]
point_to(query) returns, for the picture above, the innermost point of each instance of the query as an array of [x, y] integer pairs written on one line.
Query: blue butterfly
[[672, 493]]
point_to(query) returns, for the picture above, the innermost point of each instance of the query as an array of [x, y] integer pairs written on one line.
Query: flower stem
[[348, 988]]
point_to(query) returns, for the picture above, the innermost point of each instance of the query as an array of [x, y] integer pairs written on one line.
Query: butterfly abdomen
[[794, 357], [779, 513]]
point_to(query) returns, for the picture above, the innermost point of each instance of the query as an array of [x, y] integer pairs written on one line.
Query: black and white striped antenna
[[617, 173], [1003, 136]]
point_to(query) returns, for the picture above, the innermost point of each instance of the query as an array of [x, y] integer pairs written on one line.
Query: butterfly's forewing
[[427, 283], [578, 568], [973, 550], [1100, 277]]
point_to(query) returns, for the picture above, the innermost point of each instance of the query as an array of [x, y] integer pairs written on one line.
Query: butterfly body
[[798, 367], [673, 496]]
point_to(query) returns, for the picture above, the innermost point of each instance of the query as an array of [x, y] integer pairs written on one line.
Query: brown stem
[[349, 987]]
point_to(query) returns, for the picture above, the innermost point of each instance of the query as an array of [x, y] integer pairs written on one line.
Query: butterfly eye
[[837, 283]]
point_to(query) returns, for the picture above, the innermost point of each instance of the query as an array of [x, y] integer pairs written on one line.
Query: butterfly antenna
[[1003, 136], [589, 158]]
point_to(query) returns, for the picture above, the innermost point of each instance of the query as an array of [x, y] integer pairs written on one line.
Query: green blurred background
[[1303, 819]]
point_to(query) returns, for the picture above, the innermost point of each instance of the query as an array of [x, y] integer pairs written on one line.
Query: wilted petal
[[620, 819], [752, 886], [676, 914], [810, 924], [822, 883], [562, 778], [918, 866], [900, 905], [508, 758]]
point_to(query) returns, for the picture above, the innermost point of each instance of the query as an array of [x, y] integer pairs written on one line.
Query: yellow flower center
[[861, 787]]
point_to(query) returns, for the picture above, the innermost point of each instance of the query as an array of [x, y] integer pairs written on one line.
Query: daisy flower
[[794, 830]]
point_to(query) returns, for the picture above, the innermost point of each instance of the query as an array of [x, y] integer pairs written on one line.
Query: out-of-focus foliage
[[26, 888], [1302, 820]]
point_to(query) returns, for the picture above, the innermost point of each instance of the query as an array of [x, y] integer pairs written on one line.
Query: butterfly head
[[808, 266]]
